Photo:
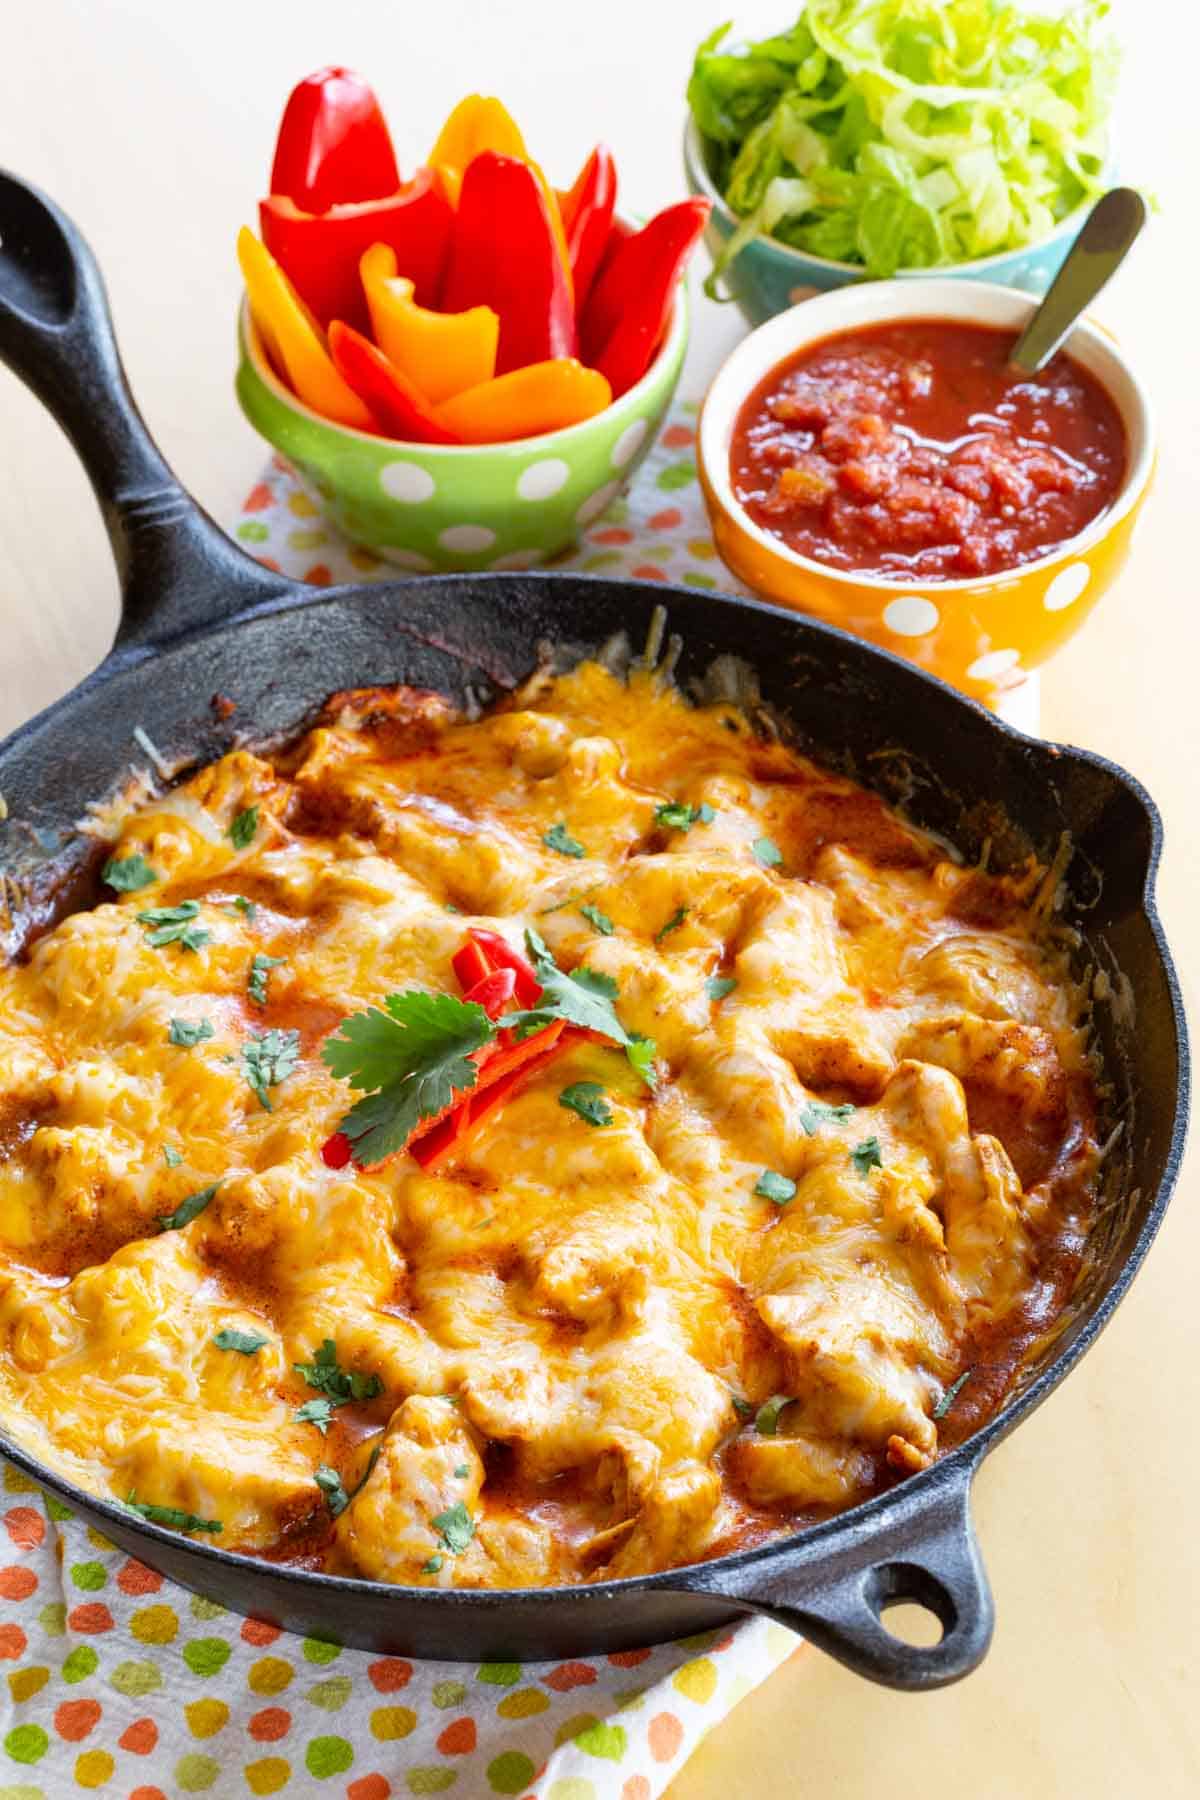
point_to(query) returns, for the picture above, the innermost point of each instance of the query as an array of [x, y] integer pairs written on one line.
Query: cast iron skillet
[[200, 619]]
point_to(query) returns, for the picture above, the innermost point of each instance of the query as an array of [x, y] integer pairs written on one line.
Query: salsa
[[912, 449]]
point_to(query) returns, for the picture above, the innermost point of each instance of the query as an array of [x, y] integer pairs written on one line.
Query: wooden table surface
[[152, 124]]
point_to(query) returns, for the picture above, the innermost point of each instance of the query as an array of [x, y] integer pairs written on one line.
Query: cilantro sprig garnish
[[185, 1034], [127, 874], [267, 1059], [867, 1156], [584, 997], [587, 1098], [188, 1209], [336, 1386], [244, 828], [673, 923], [641, 1052], [246, 1343], [951, 1394], [171, 1516], [717, 986], [455, 1528], [410, 1058], [173, 925], [559, 838], [677, 815], [330, 1484], [260, 974], [600, 920], [771, 1185], [815, 1113]]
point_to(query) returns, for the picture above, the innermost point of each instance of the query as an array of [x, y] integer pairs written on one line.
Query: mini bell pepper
[[320, 252], [505, 254], [587, 216], [333, 146], [544, 396], [630, 305], [293, 339], [479, 122], [443, 353], [399, 406]]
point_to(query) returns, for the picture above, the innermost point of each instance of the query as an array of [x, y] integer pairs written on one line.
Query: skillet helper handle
[[178, 570], [926, 1552]]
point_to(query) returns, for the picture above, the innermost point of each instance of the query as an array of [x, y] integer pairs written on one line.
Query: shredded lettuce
[[904, 134]]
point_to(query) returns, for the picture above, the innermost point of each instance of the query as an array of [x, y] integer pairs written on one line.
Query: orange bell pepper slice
[[294, 341], [544, 396], [443, 353]]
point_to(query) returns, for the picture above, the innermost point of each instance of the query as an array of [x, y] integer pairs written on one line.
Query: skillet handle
[[923, 1551], [178, 570]]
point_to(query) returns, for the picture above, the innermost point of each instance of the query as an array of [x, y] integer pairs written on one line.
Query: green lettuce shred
[[908, 134]]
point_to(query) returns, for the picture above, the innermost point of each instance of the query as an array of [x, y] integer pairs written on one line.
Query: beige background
[[152, 123]]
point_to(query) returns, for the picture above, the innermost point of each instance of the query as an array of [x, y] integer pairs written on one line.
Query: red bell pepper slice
[[501, 955], [320, 252], [630, 304], [506, 1073], [399, 407], [471, 964], [587, 219], [333, 145], [494, 992], [337, 1151], [504, 254]]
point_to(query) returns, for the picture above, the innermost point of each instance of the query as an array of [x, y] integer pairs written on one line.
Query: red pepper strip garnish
[[501, 955], [587, 218], [630, 305], [471, 964], [451, 1133], [401, 410], [504, 254], [336, 1151], [320, 252], [494, 992], [333, 145]]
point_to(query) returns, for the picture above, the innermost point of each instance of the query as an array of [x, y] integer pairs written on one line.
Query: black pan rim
[[962, 1462]]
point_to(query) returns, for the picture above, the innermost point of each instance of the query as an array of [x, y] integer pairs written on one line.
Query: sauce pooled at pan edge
[[659, 1306], [912, 450]]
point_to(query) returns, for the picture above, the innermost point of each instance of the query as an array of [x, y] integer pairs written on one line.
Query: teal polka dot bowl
[[436, 507]]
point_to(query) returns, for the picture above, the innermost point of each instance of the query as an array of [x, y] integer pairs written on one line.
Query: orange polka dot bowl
[[981, 632], [433, 508]]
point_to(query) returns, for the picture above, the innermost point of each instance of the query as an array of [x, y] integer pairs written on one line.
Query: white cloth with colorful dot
[[118, 1682]]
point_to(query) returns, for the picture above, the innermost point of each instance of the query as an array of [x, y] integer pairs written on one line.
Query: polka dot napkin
[[118, 1682]]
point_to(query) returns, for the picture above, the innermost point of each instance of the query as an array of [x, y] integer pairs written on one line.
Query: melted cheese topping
[[561, 1321]]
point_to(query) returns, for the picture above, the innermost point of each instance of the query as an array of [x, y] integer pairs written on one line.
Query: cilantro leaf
[[171, 1156], [188, 1209], [173, 925], [766, 853], [676, 815], [815, 1113], [337, 1384], [433, 1566], [260, 973], [185, 1035], [411, 1060], [743, 1408], [766, 1419], [318, 1412], [170, 1516], [249, 908], [246, 1343], [600, 920], [583, 998], [269, 1058], [587, 1099], [951, 1394], [244, 828], [128, 873], [559, 838], [462, 1472], [867, 1156], [717, 986], [641, 1052], [673, 923], [773, 1186], [330, 1484], [455, 1528]]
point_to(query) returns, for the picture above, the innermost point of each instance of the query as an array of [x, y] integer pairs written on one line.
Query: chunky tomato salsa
[[913, 449]]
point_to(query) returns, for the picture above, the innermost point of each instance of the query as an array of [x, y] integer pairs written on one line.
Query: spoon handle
[[1103, 242]]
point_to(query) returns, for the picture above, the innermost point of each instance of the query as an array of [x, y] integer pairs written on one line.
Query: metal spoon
[[1104, 241]]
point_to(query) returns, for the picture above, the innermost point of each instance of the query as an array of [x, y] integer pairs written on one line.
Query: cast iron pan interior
[[200, 620]]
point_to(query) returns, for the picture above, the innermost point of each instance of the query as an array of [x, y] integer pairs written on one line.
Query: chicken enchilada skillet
[[553, 1176]]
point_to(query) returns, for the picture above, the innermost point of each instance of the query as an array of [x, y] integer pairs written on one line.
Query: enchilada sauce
[[912, 449]]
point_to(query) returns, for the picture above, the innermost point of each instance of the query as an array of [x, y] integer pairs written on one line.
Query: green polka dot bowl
[[440, 507]]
